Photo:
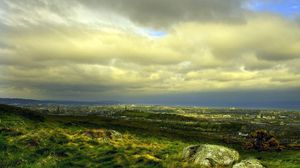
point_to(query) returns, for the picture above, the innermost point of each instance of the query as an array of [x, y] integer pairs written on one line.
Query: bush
[[261, 140]]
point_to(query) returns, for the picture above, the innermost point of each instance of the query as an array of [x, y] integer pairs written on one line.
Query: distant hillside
[[29, 114], [17, 101]]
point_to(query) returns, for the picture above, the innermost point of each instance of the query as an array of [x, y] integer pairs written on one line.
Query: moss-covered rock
[[211, 155], [249, 163]]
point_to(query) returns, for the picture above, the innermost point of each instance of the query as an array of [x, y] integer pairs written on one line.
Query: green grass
[[52, 144], [286, 159], [55, 141]]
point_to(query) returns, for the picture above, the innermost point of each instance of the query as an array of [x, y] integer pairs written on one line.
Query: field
[[144, 136]]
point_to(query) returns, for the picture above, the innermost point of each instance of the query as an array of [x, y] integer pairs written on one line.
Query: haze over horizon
[[192, 52]]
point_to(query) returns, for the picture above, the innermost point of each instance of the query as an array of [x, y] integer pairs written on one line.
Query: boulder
[[210, 156], [249, 163]]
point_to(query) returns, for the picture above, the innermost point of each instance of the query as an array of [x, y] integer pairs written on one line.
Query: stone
[[210, 156], [249, 163]]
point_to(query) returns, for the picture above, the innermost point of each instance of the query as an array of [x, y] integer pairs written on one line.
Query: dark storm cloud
[[277, 56], [252, 98], [152, 13], [159, 13]]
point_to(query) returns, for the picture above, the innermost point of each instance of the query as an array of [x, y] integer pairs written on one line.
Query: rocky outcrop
[[249, 163], [211, 156]]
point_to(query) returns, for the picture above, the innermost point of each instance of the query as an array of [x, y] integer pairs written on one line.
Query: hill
[[31, 139], [18, 101]]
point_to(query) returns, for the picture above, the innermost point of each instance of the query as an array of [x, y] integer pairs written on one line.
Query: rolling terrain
[[128, 138]]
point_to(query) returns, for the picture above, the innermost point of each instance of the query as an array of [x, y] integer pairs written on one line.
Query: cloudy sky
[[151, 51]]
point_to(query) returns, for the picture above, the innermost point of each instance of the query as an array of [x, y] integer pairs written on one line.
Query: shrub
[[261, 140]]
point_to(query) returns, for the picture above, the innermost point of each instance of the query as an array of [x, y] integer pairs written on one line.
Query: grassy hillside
[[29, 139]]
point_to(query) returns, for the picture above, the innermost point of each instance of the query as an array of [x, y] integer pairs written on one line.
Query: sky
[[193, 52]]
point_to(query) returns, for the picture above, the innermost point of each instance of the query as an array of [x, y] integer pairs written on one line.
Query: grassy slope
[[27, 141]]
